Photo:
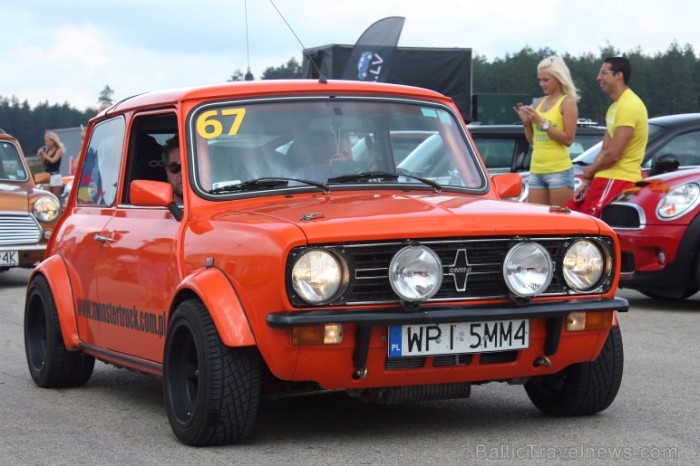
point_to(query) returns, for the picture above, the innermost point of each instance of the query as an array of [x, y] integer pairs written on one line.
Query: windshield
[[325, 142], [588, 156], [12, 167]]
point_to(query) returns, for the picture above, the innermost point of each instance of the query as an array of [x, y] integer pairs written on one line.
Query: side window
[[147, 141], [686, 147], [100, 171]]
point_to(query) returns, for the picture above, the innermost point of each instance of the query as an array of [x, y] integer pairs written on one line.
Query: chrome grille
[[18, 229], [472, 269]]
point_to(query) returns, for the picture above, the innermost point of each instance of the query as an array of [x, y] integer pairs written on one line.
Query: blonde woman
[[551, 127], [51, 155]]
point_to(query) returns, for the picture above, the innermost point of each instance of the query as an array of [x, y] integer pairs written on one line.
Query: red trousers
[[600, 193]]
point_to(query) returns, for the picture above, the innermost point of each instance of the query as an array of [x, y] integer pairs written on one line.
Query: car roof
[[680, 120], [267, 88], [517, 128]]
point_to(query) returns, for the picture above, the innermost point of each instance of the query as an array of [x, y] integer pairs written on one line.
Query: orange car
[[27, 213], [294, 266]]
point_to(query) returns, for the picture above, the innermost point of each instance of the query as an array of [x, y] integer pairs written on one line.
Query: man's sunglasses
[[174, 167]]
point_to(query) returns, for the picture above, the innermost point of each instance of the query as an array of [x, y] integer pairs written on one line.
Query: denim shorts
[[563, 179]]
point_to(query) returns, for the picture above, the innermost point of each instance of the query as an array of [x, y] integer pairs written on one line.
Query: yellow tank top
[[549, 156]]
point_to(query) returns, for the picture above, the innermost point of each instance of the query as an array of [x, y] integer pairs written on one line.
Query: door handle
[[103, 238]]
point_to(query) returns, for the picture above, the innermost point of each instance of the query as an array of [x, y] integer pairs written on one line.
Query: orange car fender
[[216, 291], [56, 274]]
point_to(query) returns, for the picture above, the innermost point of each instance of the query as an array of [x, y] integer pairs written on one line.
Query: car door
[[83, 230], [138, 271]]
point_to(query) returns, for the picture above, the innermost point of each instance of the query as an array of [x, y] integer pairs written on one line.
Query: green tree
[[105, 97], [290, 70], [236, 76]]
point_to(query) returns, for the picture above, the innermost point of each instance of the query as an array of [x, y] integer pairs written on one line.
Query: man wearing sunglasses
[[173, 167], [618, 165]]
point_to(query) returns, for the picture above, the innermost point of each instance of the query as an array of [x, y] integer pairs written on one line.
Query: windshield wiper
[[380, 175], [370, 175], [263, 183]]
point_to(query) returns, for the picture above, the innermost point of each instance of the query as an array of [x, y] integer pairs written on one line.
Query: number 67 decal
[[210, 124]]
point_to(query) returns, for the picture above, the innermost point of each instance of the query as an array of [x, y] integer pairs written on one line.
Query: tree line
[[668, 83], [29, 124]]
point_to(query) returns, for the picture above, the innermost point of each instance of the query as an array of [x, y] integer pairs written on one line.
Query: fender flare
[[54, 270], [216, 291]]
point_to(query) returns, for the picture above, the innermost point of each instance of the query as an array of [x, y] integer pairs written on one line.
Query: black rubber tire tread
[[222, 406], [50, 364], [656, 294], [585, 388]]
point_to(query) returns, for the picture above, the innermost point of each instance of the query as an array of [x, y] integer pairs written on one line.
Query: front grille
[[472, 269], [621, 216], [18, 229]]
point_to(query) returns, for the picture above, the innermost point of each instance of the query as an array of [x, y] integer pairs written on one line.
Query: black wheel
[[584, 388], [211, 391], [51, 365], [660, 294]]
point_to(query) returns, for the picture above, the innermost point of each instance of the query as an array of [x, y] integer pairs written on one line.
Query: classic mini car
[[505, 148], [27, 214], [289, 267], [658, 223]]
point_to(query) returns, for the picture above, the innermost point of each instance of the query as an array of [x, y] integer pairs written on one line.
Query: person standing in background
[[550, 128], [51, 155], [618, 165]]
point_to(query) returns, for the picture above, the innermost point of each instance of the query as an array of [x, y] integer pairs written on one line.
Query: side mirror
[[507, 185], [148, 193]]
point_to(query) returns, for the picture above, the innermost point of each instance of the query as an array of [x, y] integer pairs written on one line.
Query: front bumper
[[642, 250], [28, 255], [362, 361]]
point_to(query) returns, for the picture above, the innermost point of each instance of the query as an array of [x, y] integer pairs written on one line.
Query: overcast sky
[[60, 51]]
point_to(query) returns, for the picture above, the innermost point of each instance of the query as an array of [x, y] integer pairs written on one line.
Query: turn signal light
[[328, 334], [577, 321]]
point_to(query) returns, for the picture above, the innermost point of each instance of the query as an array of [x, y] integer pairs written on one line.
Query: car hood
[[389, 215], [14, 197]]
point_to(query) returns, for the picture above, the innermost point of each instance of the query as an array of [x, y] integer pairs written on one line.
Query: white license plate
[[462, 337], [9, 259]]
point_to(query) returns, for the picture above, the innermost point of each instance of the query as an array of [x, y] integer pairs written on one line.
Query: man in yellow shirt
[[618, 165]]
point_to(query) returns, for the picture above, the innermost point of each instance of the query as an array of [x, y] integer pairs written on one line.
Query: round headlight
[[415, 273], [583, 265], [678, 201], [317, 276], [46, 209], [527, 269]]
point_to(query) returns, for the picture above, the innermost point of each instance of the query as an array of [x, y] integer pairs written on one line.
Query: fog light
[[47, 234], [329, 334], [661, 257], [577, 321]]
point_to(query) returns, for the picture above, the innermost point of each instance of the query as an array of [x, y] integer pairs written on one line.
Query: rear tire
[[584, 388], [211, 391], [50, 364]]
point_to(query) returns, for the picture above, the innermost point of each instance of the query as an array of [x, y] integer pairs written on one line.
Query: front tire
[[584, 388], [51, 365], [211, 391]]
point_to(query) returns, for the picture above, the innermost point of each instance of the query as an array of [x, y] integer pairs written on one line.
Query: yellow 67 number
[[209, 124]]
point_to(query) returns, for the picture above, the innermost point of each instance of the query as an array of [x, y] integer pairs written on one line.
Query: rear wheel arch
[[53, 270]]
